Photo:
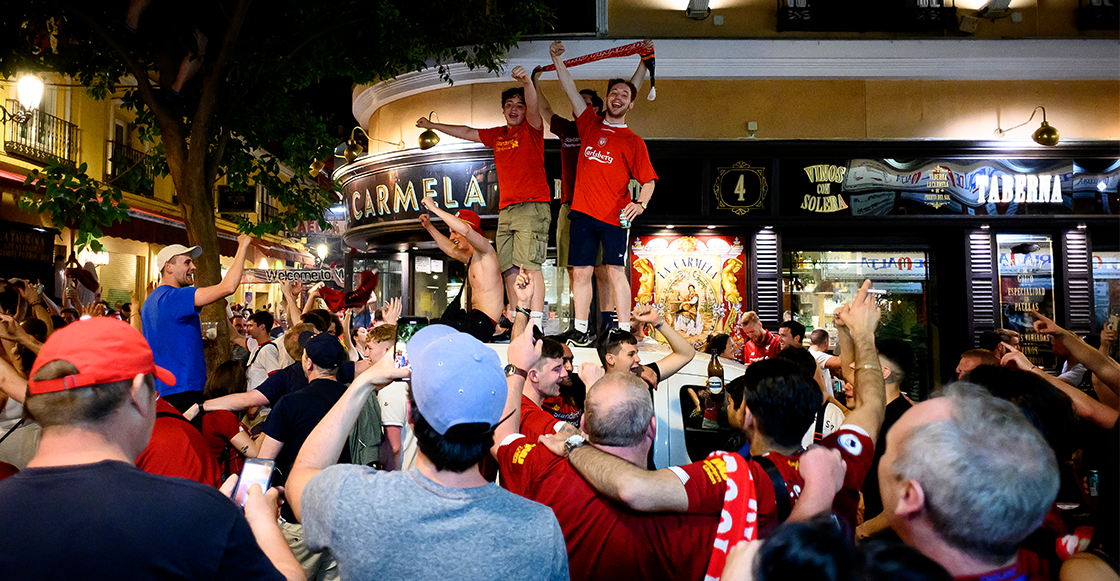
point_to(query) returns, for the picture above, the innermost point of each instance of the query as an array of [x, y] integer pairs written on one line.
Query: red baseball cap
[[103, 350], [470, 217]]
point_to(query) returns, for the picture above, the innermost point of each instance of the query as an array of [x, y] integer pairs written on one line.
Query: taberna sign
[[388, 188]]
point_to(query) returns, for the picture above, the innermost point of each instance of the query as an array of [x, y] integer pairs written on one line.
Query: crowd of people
[[122, 444]]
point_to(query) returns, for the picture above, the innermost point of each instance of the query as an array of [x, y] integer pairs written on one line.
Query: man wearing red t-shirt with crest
[[523, 211], [611, 155], [761, 344], [778, 404], [566, 130]]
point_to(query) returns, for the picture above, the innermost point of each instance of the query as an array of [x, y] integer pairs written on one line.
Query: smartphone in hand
[[256, 471]]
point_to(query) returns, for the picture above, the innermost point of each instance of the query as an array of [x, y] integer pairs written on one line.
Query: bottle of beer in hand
[[715, 393]]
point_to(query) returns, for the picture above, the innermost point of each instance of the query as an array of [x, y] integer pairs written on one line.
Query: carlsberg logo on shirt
[[595, 155]]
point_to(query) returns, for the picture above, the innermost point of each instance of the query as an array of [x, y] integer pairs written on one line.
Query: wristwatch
[[574, 442], [643, 205], [512, 370]]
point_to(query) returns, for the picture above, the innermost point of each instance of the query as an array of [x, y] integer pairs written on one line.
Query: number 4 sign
[[740, 188]]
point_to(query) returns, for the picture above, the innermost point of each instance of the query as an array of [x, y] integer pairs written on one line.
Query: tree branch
[[215, 160], [203, 116]]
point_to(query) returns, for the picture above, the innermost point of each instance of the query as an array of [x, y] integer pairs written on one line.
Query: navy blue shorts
[[587, 234]]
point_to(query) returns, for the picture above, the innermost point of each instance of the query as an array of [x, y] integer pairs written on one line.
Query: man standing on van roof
[[523, 211], [171, 323]]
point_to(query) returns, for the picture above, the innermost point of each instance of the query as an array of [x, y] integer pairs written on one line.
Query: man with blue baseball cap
[[442, 519]]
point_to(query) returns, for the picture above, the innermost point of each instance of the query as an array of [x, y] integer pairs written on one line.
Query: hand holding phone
[[256, 471], [406, 328]]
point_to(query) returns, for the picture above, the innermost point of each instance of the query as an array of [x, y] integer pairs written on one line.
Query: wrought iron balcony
[[129, 169], [41, 138]]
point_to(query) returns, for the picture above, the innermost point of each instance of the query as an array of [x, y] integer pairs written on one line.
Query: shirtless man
[[467, 245]]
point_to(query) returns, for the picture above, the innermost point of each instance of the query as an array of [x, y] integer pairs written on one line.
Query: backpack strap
[[781, 493], [258, 352], [178, 417], [818, 430]]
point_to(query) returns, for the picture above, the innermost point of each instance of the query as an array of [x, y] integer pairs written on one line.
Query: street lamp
[[322, 251], [30, 93]]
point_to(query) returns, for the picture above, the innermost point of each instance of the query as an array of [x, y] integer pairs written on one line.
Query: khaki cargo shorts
[[522, 237]]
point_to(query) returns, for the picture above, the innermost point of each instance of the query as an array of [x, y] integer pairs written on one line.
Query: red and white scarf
[[644, 48], [739, 519]]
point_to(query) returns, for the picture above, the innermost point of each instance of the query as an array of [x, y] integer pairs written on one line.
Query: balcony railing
[[129, 169], [42, 138]]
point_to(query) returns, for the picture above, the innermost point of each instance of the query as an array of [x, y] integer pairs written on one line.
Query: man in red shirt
[[778, 405], [761, 344], [566, 130], [611, 156], [523, 209], [543, 384]]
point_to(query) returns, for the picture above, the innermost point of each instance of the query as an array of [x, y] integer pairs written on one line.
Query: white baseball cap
[[175, 250]]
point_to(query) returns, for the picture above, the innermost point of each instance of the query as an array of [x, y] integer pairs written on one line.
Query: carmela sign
[[1018, 188], [303, 275], [391, 191]]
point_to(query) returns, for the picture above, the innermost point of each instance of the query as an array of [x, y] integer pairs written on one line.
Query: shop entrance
[[814, 283]]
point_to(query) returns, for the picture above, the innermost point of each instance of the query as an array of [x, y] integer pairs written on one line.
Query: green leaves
[[69, 198]]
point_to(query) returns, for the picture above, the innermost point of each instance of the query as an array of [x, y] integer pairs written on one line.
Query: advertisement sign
[[697, 282], [232, 201], [1026, 284], [988, 187], [303, 275]]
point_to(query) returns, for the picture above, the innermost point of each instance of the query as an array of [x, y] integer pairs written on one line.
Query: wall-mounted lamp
[[29, 90], [994, 9], [321, 251], [697, 9], [316, 168], [1044, 135], [429, 139], [354, 149]]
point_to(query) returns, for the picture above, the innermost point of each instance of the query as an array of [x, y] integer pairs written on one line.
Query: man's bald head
[[618, 410]]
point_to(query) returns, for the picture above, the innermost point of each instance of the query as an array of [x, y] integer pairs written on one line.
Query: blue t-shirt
[[174, 332]]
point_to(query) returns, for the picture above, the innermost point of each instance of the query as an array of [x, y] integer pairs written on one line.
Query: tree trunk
[[198, 216]]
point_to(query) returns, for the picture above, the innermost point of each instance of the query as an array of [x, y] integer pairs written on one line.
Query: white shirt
[[263, 362], [393, 400], [822, 357], [833, 418]]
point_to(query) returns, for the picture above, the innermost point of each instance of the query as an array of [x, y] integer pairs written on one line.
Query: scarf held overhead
[[643, 48]]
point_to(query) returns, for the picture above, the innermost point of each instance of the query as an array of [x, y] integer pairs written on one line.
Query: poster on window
[[696, 282], [1026, 285]]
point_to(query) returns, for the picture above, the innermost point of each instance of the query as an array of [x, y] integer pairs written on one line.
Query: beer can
[[1094, 482], [622, 221]]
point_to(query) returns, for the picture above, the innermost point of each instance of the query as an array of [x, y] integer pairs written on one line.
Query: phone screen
[[406, 328], [256, 471]]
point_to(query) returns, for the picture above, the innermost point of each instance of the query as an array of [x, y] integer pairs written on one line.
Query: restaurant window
[[1026, 284], [390, 282], [436, 283], [1106, 286], [815, 283]]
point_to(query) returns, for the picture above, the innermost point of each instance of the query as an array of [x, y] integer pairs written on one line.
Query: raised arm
[[476, 240], [542, 101], [291, 293], [34, 298], [324, 444], [346, 341], [639, 76], [460, 131], [532, 111], [556, 50], [228, 286], [523, 287], [1083, 405], [523, 353], [1100, 364], [861, 317], [682, 350], [233, 402], [445, 244]]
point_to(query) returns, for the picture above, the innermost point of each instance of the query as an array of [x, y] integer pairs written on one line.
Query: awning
[[155, 228]]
